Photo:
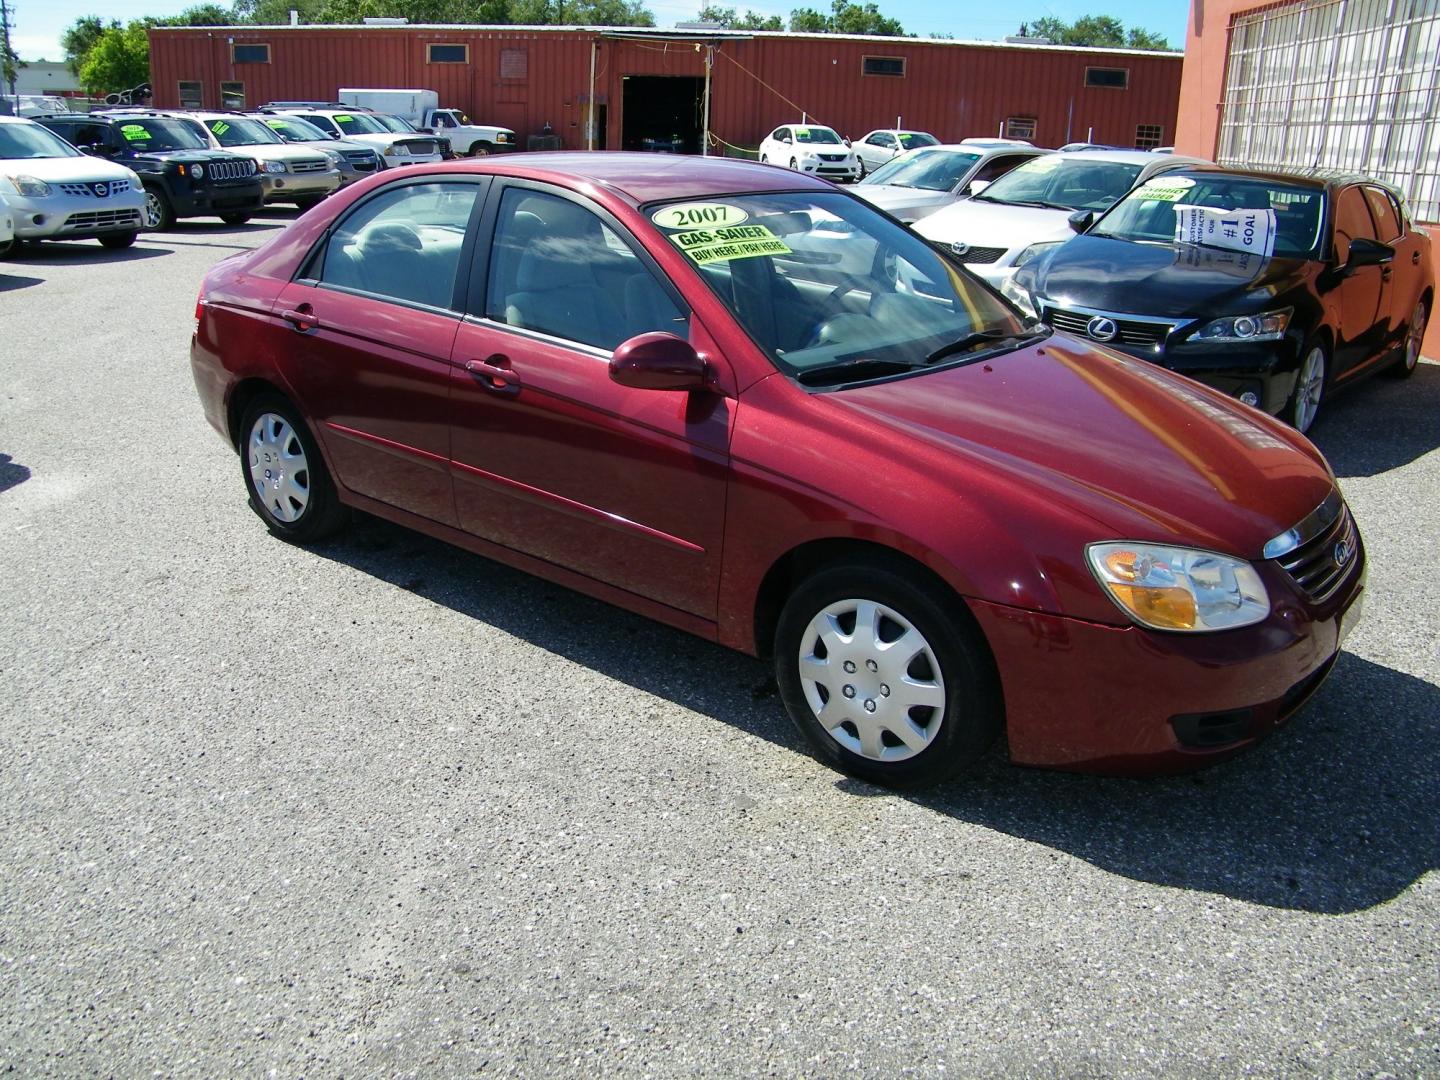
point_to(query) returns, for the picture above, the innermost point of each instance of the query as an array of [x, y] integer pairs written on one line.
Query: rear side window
[[1387, 220], [403, 244]]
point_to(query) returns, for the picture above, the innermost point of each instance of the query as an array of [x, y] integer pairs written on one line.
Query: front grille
[[977, 254], [239, 169], [104, 219], [419, 146], [1324, 562], [363, 164], [1132, 332], [360, 158], [96, 189], [832, 157], [318, 165]]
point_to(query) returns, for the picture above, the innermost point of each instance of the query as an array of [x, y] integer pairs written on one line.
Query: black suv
[[183, 177]]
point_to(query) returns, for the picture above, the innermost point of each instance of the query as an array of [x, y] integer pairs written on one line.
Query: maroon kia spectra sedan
[[743, 402]]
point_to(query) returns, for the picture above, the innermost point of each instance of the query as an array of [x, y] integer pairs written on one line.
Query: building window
[[250, 54], [192, 95], [232, 95], [514, 63], [1108, 78], [1148, 136], [1020, 127], [1348, 85], [447, 54], [883, 65]]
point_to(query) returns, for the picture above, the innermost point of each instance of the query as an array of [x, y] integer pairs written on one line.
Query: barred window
[[192, 95], [1342, 84], [514, 63], [1148, 136], [1020, 127]]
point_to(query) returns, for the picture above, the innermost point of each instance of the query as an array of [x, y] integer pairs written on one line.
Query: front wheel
[[887, 682], [118, 240], [286, 478], [1304, 404], [234, 219], [794, 164], [764, 160], [1414, 343], [158, 215], [480, 149], [9, 248]]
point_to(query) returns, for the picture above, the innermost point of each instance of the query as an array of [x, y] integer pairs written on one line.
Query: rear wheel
[[158, 214], [889, 680], [1304, 404], [234, 219], [285, 476], [1414, 342], [118, 240]]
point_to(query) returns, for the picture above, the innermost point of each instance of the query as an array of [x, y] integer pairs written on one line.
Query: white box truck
[[422, 109]]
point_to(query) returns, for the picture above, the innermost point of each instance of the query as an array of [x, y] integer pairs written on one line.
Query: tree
[[751, 20], [845, 18], [200, 15], [80, 38], [119, 60], [1093, 31], [10, 64], [1135, 38], [276, 12]]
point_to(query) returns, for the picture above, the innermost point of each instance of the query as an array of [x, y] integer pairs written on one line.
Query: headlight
[[197, 171], [1269, 326], [30, 187], [396, 151], [1034, 251], [135, 184], [1018, 295], [1168, 588], [337, 160], [274, 166]]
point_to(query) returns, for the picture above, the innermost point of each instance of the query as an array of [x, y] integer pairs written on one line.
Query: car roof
[[643, 178], [1315, 177], [1126, 157]]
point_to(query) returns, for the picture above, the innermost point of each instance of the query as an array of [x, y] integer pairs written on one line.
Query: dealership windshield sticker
[[1165, 188], [698, 215], [346, 119], [220, 127], [1236, 264], [723, 245], [135, 132], [1234, 230]]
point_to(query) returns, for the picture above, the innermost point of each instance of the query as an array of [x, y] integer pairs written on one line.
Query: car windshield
[[359, 124], [815, 135], [933, 170], [1147, 214], [393, 123], [912, 140], [835, 292], [19, 141], [145, 133], [293, 129], [1060, 183], [239, 131]]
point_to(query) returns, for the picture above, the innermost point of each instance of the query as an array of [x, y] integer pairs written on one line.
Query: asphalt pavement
[[382, 807]]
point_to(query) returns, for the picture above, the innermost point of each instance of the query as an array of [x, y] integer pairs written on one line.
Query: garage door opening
[[662, 113]]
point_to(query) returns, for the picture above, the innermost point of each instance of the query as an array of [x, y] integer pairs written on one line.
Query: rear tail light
[[199, 306]]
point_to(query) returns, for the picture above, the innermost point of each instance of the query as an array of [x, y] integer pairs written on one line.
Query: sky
[[36, 25]]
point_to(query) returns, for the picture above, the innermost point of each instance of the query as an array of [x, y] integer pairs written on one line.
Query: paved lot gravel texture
[[386, 808]]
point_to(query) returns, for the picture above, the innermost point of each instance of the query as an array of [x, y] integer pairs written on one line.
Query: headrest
[[388, 238]]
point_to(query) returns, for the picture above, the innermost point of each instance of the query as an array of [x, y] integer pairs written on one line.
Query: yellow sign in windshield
[[722, 245]]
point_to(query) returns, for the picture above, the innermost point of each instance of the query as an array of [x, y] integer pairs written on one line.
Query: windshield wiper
[[844, 371], [997, 339]]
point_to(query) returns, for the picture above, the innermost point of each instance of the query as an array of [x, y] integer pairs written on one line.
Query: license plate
[[1351, 618]]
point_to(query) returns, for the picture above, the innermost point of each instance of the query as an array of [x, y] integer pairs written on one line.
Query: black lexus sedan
[[1343, 288]]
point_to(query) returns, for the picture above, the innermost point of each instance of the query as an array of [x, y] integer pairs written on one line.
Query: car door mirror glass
[[659, 361], [1081, 220]]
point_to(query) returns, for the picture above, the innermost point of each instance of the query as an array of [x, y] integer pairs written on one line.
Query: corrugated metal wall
[[524, 78]]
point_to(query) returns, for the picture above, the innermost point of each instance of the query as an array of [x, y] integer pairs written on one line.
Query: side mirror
[[428, 130], [787, 140], [847, 141], [977, 186], [1081, 220], [1367, 252], [659, 361]]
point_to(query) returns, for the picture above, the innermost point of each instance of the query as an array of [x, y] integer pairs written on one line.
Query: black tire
[[795, 164], [972, 713], [118, 240], [322, 513], [861, 162], [1311, 397], [303, 203], [234, 219], [764, 160], [1414, 336], [11, 248], [481, 149], [159, 215]]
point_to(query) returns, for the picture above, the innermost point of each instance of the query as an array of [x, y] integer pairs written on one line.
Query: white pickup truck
[[422, 108]]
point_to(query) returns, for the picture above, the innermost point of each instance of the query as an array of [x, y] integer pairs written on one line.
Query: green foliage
[[200, 15], [845, 18], [10, 64], [1094, 31], [485, 12], [80, 38], [119, 60], [751, 20], [276, 12]]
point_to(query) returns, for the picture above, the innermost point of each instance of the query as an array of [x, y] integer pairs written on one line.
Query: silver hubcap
[[1415, 341], [872, 680], [1309, 387], [278, 470], [152, 210]]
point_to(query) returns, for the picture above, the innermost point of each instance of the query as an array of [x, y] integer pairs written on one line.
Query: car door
[[1362, 294], [877, 149], [1406, 272], [550, 456], [368, 328]]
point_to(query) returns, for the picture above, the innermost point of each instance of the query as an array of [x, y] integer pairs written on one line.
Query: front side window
[[403, 244], [324, 123], [21, 141], [832, 290], [912, 140], [1058, 183], [1352, 222], [1387, 221], [557, 269]]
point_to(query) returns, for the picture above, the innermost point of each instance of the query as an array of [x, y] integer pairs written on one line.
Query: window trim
[[223, 93], [199, 98], [1033, 121], [249, 45], [903, 61], [430, 46], [1365, 190], [1103, 86]]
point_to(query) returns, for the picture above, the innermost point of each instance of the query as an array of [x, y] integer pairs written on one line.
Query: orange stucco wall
[[1202, 86]]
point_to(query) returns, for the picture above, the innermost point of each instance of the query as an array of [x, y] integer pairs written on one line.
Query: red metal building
[[649, 84]]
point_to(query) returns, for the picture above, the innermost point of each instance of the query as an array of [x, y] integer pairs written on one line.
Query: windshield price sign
[[1234, 230], [722, 245], [698, 215]]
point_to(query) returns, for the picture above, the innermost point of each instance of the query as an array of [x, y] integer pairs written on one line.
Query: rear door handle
[[1414, 258], [495, 375], [302, 318]]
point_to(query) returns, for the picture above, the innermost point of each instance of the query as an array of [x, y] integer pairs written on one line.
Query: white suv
[[811, 148]]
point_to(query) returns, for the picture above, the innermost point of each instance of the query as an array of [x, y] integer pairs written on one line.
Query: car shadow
[[1335, 813], [12, 282], [1381, 424], [12, 472], [74, 252]]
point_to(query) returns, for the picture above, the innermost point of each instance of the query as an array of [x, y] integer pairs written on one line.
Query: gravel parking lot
[[384, 807]]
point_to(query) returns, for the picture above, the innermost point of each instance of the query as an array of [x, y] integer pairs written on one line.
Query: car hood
[[1182, 280], [987, 224], [65, 170], [187, 157], [278, 152], [1080, 432], [894, 197]]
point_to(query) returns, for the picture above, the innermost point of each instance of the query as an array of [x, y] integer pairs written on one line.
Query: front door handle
[[495, 374], [1386, 273], [302, 318], [1414, 258]]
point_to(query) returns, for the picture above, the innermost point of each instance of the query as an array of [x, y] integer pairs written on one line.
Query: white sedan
[[811, 148], [886, 144]]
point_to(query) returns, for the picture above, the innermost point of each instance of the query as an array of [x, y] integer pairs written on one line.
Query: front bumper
[[831, 170], [1125, 700], [72, 217], [229, 197], [287, 187]]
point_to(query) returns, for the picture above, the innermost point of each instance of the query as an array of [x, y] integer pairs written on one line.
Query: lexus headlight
[[1034, 251], [1018, 295], [275, 166], [30, 186], [396, 151], [1168, 588], [1269, 326]]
